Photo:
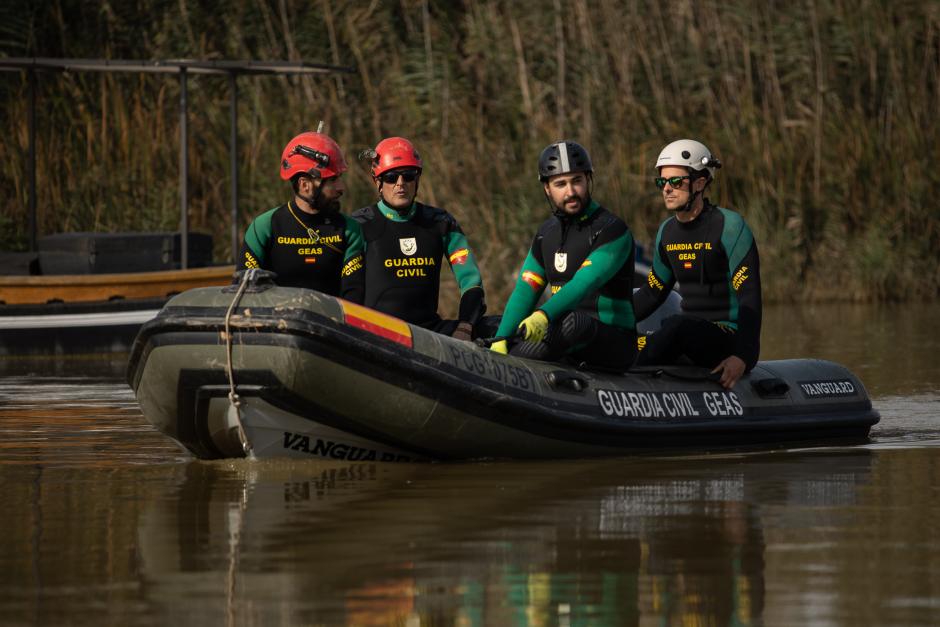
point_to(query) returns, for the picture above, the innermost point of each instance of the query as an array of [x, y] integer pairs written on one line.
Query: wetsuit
[[404, 253], [715, 262], [322, 251], [586, 261]]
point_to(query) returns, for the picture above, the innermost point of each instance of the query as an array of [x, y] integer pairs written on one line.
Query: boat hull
[[317, 377]]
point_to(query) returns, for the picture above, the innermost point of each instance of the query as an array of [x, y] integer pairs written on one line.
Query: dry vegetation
[[824, 113]]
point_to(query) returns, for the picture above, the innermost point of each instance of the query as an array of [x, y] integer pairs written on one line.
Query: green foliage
[[823, 112]]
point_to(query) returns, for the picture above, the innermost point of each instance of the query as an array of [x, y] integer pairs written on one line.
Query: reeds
[[824, 113]]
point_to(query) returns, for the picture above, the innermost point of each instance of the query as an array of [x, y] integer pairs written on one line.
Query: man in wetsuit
[[584, 254], [712, 254], [407, 241], [307, 241]]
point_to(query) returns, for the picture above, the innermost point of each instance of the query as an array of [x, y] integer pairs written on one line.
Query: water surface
[[106, 521]]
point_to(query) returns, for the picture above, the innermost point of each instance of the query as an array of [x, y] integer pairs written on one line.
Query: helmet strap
[[692, 195], [318, 202], [555, 210], [312, 201], [688, 205]]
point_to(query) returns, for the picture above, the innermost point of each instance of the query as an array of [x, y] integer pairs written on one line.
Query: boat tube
[[270, 371]]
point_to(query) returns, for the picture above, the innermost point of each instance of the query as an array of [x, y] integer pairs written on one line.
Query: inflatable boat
[[266, 371]]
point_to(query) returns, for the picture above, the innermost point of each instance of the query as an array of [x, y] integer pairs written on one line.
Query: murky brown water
[[106, 522]]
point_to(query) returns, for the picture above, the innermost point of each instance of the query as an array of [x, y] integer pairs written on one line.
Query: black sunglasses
[[391, 177], [674, 181]]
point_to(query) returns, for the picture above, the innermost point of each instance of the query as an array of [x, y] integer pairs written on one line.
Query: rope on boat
[[233, 397]]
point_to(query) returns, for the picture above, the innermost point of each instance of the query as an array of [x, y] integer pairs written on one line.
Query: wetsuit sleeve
[[744, 275], [353, 281], [599, 267], [467, 272], [659, 281], [529, 286], [255, 243]]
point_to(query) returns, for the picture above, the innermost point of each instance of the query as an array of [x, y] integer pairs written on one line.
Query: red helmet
[[392, 153], [312, 153]]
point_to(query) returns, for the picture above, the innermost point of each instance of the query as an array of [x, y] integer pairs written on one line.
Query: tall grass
[[824, 113]]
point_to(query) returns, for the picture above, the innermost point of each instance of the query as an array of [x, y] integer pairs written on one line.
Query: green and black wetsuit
[[586, 261], [714, 259], [404, 253], [322, 251]]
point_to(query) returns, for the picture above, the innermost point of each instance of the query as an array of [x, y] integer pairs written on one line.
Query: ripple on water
[[77, 421], [907, 421]]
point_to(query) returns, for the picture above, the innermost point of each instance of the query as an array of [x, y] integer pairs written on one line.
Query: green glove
[[500, 347], [535, 326]]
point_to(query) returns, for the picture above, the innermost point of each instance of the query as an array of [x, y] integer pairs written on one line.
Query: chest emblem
[[561, 261], [409, 245]]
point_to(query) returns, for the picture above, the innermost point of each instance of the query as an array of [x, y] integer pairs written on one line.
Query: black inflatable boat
[[269, 371]]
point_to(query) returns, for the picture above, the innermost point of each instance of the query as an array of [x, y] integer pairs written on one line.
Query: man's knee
[[577, 327], [666, 345], [531, 350], [486, 326]]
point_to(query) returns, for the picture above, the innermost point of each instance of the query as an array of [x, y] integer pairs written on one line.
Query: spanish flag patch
[[459, 257], [535, 281], [586, 263]]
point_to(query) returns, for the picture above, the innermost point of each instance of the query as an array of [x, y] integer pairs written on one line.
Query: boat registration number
[[482, 364]]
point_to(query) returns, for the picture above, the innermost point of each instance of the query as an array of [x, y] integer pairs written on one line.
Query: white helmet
[[688, 153]]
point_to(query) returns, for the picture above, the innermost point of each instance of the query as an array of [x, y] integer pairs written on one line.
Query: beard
[[327, 206], [574, 197], [320, 204], [583, 202]]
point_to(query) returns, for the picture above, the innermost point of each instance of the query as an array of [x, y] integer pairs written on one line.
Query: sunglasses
[[391, 177], [675, 182]]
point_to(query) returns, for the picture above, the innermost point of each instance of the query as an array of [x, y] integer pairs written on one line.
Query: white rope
[[230, 370]]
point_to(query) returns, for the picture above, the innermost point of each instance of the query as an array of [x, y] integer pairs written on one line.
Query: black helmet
[[563, 157]]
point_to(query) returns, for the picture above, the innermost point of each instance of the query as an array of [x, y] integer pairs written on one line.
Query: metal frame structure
[[182, 68]]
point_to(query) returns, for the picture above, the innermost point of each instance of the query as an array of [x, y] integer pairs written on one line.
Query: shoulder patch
[[435, 214], [364, 214], [440, 218]]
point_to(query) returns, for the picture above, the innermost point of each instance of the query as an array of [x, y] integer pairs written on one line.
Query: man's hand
[[464, 331], [500, 347], [731, 369], [534, 326]]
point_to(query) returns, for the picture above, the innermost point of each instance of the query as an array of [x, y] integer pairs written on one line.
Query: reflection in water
[[106, 521], [57, 421], [527, 544]]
